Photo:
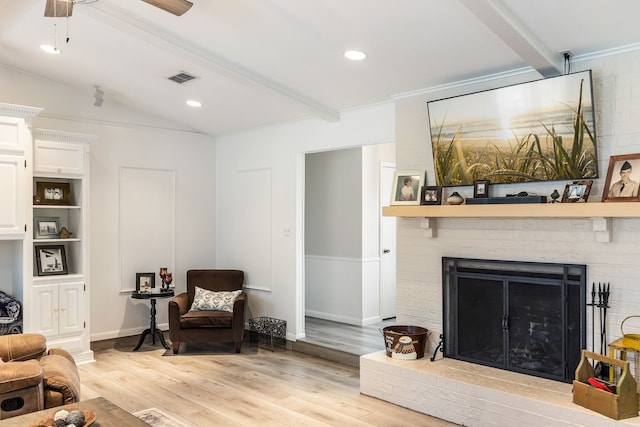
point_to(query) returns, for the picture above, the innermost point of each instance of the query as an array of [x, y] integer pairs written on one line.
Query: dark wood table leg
[[153, 330], [141, 340]]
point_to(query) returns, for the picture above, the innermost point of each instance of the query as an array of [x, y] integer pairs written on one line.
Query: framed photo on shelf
[[431, 195], [52, 193], [46, 227], [622, 180], [577, 191], [406, 188], [481, 188], [145, 282], [51, 260]]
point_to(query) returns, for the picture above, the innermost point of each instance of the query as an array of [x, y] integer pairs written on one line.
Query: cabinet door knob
[[62, 309], [59, 170]]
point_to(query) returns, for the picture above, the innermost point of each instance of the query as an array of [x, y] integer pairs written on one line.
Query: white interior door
[[387, 246]]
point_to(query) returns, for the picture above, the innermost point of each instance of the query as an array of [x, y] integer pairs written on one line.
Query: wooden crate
[[619, 405]]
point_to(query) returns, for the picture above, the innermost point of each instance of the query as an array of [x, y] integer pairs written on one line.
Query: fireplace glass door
[[516, 316]]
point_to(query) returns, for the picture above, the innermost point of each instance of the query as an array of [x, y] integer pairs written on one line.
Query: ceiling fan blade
[[58, 9], [177, 7]]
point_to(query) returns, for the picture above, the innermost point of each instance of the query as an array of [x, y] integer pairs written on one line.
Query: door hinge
[[25, 163], [25, 227], [84, 286], [84, 325]]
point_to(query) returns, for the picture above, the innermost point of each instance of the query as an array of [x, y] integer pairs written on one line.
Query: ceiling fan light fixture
[[50, 49], [194, 103], [355, 55]]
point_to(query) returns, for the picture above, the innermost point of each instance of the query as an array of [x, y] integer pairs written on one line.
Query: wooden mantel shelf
[[533, 210], [600, 213]]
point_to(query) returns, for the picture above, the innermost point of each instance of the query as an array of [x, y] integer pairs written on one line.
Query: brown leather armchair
[[208, 325], [32, 378]]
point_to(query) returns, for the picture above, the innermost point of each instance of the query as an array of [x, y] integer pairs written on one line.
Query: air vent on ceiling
[[181, 78]]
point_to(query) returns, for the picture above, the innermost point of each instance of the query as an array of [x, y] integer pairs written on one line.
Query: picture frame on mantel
[[406, 188], [481, 188], [622, 180], [431, 195], [577, 191]]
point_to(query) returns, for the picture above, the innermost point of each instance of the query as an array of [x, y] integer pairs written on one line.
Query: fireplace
[[518, 316]]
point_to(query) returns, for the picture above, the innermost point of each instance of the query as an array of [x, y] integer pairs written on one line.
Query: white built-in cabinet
[[58, 303], [15, 149], [55, 305]]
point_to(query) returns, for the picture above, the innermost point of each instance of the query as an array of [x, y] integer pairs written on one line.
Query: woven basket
[[630, 340]]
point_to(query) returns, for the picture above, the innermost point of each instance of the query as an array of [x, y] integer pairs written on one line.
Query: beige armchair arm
[[19, 375], [19, 347]]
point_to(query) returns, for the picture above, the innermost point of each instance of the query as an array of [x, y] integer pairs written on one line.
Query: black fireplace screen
[[518, 316]]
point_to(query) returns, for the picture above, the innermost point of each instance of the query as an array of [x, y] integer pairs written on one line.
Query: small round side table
[[152, 330]]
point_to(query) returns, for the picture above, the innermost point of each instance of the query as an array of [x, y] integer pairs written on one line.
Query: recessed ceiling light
[[193, 103], [50, 49], [355, 55]]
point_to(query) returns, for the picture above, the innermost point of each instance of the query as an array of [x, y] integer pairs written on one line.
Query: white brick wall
[[419, 277]]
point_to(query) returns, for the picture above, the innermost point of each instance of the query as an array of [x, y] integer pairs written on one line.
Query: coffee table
[[108, 415]]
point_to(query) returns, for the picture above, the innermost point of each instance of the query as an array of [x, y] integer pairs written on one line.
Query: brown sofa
[[32, 378], [208, 325]]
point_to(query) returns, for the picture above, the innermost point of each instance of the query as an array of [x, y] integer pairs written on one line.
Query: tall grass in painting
[[527, 157]]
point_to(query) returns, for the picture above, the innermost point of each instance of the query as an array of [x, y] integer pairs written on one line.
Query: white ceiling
[[260, 62]]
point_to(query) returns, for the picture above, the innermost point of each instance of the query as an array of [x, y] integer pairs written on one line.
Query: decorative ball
[[60, 415], [75, 417], [60, 423]]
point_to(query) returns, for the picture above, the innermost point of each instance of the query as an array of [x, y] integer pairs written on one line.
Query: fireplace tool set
[[602, 304]]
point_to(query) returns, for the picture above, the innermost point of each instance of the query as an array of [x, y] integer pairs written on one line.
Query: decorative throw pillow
[[205, 299]]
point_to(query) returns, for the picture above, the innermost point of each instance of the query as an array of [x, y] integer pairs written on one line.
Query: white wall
[[281, 149], [333, 203], [127, 138]]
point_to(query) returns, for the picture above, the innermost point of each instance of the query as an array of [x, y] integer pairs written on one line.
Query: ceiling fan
[[64, 8]]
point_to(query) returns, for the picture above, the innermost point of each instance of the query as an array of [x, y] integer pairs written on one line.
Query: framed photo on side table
[[46, 227], [406, 188], [431, 195], [145, 282], [51, 259], [577, 191], [622, 180]]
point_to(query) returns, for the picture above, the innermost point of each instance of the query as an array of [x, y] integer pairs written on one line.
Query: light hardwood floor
[[353, 339], [210, 385]]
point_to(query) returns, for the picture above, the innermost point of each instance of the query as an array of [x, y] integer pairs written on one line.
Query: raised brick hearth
[[475, 395]]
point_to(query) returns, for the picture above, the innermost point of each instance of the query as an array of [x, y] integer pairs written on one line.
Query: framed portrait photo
[[53, 193], [622, 180], [481, 188], [145, 282], [46, 227], [51, 260], [577, 191], [431, 195], [406, 188]]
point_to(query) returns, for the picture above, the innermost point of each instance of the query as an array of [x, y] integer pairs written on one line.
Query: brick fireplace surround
[[475, 395]]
